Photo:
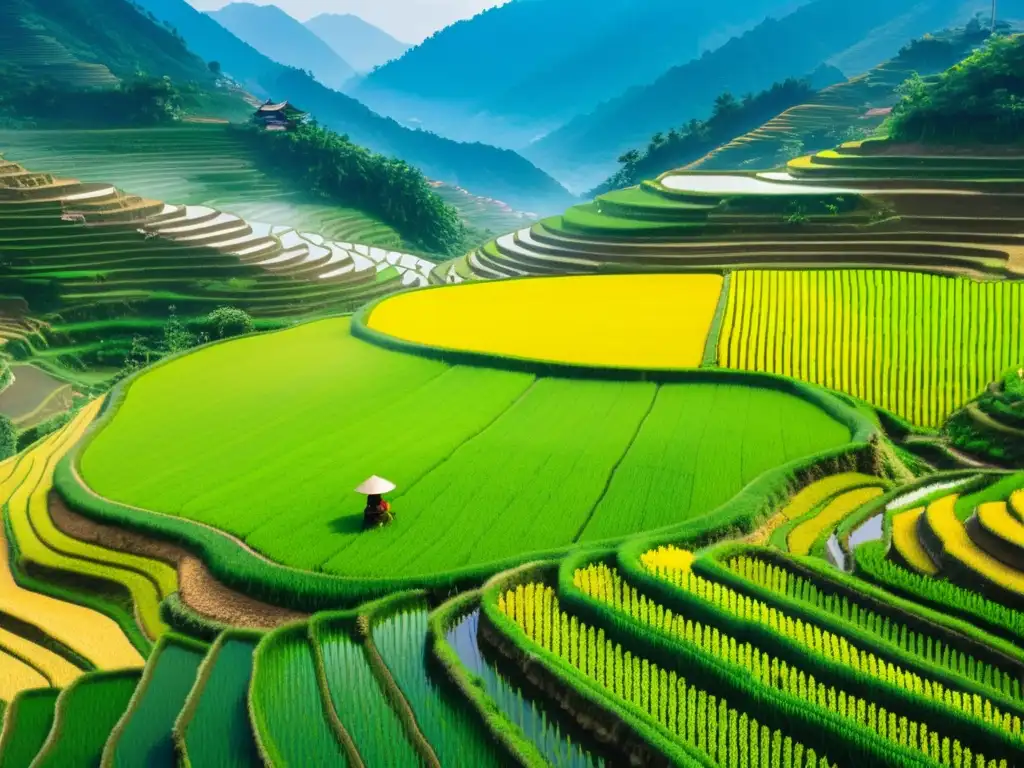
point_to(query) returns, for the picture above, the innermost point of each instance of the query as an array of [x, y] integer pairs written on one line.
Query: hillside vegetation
[[978, 101], [333, 168], [776, 49], [842, 111], [481, 168], [729, 117]]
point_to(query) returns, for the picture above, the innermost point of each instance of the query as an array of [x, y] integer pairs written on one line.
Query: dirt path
[[197, 587]]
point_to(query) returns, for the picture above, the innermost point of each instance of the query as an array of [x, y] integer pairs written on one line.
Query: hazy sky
[[408, 20]]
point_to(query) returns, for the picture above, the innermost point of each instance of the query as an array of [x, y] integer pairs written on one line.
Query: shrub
[[225, 322]]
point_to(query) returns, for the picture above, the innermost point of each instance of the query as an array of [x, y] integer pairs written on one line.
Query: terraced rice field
[[601, 555], [620, 321], [863, 204], [42, 544], [81, 634], [480, 456], [204, 165], [916, 344]]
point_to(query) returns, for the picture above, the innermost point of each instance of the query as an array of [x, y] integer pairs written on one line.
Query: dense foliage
[[992, 427], [225, 322], [139, 101], [334, 168], [980, 100], [729, 118]]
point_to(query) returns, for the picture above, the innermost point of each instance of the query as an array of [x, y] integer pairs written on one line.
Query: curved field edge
[[142, 690], [189, 716], [237, 566], [677, 341]]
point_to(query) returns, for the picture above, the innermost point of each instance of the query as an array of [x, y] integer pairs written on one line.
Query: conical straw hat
[[375, 485]]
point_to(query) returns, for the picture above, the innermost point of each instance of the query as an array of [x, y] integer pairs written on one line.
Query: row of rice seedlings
[[930, 647], [360, 704], [451, 729], [942, 594], [143, 734], [27, 722], [214, 728], [846, 330], [87, 711], [693, 716], [287, 705], [604, 584], [551, 740], [837, 648]]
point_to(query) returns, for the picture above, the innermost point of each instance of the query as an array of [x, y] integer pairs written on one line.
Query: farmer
[[378, 511]]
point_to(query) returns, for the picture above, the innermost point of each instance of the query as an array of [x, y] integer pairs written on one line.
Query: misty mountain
[[281, 38], [360, 43], [586, 148], [484, 169], [515, 72]]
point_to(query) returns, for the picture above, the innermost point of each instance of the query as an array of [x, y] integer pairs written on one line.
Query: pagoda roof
[[283, 106]]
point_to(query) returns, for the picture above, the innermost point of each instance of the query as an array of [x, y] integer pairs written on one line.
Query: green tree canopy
[[225, 322], [332, 167], [979, 100]]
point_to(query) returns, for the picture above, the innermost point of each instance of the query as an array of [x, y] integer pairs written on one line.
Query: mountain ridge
[[285, 40], [802, 40], [357, 41], [513, 100]]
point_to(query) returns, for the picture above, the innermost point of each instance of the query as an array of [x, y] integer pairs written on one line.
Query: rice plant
[[218, 731], [453, 731], [364, 710]]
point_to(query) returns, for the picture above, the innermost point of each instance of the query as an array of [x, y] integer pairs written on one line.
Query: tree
[[176, 335], [8, 438], [225, 322], [215, 68]]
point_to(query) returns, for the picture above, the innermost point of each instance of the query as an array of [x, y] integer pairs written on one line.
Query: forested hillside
[[729, 117], [482, 168], [55, 39], [281, 38], [976, 102], [774, 50]]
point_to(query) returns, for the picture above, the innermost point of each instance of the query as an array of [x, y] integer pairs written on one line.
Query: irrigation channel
[[551, 738]]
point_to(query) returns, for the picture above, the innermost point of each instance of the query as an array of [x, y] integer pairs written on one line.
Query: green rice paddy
[[482, 457]]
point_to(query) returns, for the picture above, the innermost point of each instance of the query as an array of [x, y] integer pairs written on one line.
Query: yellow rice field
[[628, 321], [803, 536], [669, 557], [958, 545], [93, 635], [995, 518], [907, 543], [814, 494]]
